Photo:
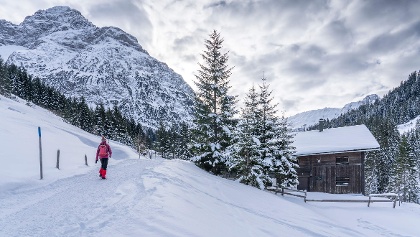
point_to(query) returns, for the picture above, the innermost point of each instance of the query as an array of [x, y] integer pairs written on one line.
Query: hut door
[[304, 183]]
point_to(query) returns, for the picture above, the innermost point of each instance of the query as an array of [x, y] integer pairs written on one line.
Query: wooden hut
[[332, 160]]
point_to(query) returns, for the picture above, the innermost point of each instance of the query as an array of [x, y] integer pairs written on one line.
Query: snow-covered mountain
[[105, 65], [309, 118]]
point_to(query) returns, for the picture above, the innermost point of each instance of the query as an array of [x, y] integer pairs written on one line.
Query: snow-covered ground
[[410, 125], [156, 197]]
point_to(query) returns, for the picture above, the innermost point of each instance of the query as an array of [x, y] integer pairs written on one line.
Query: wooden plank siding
[[322, 173]]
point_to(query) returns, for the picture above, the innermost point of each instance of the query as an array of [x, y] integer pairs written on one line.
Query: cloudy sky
[[314, 54]]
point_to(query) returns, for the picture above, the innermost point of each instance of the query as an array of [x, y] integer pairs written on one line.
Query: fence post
[[399, 200], [58, 159], [86, 163], [369, 201], [304, 199], [282, 191], [40, 153]]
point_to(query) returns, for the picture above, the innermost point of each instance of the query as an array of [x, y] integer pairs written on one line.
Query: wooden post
[[369, 201], [282, 191], [58, 159], [40, 153], [86, 163], [304, 199], [399, 200]]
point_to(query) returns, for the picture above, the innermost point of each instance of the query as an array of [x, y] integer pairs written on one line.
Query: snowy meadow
[[154, 197]]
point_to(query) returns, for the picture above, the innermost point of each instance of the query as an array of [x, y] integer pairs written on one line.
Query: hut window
[[342, 160], [342, 181]]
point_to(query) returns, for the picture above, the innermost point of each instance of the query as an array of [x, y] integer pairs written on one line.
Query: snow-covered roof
[[335, 140]]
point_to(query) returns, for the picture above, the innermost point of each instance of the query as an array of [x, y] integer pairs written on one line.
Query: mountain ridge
[[305, 119]]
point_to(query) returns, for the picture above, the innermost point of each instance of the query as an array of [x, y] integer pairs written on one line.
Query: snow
[[154, 197], [410, 125], [343, 139]]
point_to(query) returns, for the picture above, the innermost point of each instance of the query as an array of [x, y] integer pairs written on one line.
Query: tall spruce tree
[[215, 108], [246, 160], [285, 163], [263, 148], [276, 141]]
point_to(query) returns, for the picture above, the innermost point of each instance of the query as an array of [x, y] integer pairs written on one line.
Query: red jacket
[[108, 148]]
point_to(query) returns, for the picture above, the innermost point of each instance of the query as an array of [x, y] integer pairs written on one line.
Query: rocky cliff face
[[104, 65]]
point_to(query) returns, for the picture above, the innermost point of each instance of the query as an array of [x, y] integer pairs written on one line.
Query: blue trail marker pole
[[40, 152]]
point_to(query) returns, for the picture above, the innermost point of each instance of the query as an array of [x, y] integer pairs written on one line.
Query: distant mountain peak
[[309, 118], [57, 16]]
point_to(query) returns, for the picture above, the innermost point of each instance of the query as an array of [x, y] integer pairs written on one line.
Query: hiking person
[[103, 152]]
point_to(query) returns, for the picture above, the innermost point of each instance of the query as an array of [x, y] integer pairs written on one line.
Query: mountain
[[103, 64], [309, 118]]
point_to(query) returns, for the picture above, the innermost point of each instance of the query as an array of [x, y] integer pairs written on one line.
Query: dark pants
[[104, 162]]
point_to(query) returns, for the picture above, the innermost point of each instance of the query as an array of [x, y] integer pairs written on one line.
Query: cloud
[[125, 14]]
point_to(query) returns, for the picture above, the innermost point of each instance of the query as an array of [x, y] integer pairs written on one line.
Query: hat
[[103, 138]]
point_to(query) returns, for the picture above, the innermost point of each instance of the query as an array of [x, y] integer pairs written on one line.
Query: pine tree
[[173, 141], [276, 149], [404, 179], [247, 162], [379, 163], [85, 117], [100, 118], [119, 131], [5, 85], [162, 140], [263, 148], [214, 108], [285, 163], [108, 124], [184, 140]]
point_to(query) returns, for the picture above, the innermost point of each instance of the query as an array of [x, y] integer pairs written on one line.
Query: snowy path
[[83, 205]]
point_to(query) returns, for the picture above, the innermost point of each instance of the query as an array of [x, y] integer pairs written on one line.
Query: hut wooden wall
[[319, 173]]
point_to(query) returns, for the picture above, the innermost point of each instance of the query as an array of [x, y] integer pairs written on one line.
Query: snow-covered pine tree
[[414, 179], [119, 123], [5, 84], [215, 108], [285, 164], [100, 118], [276, 141], [404, 178], [246, 160], [85, 116], [379, 163], [184, 140], [162, 140], [174, 138]]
